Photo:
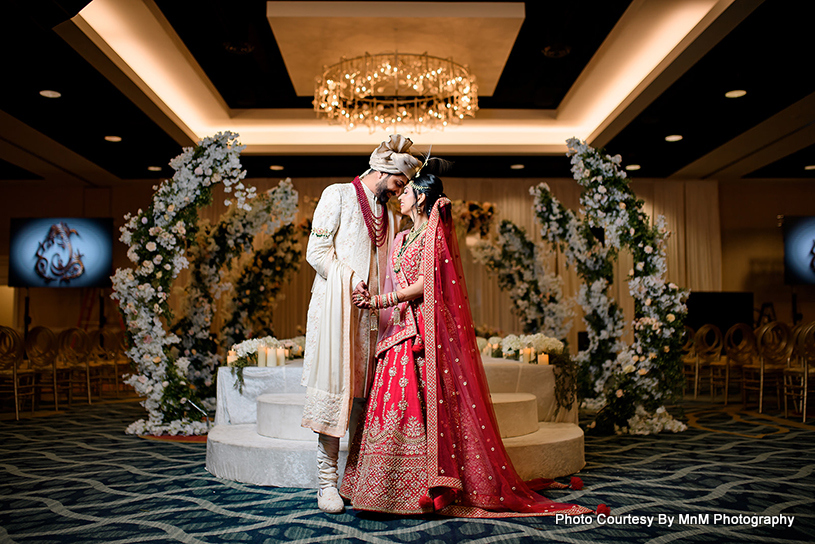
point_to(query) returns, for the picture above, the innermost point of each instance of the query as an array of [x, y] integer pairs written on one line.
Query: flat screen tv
[[799, 250], [61, 252]]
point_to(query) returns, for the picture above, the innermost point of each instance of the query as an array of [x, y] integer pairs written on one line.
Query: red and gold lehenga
[[430, 441]]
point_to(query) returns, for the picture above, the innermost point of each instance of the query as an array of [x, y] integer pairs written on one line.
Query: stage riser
[[275, 450], [237, 452]]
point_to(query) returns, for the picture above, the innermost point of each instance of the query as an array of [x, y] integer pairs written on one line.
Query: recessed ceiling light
[[809, 167], [517, 166], [113, 138], [633, 167], [154, 168], [735, 94], [673, 138], [275, 167], [50, 94]]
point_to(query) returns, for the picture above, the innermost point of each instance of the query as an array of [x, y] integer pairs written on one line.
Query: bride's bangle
[[385, 301]]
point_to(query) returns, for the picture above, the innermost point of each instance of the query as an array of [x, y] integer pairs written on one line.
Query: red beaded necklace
[[377, 226]]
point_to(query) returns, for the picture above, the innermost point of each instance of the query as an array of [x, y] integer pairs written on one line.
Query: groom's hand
[[362, 289]]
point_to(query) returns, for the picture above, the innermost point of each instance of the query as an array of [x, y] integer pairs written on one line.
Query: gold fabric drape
[[694, 250]]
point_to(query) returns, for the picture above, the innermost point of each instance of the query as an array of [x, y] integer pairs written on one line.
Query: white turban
[[393, 157]]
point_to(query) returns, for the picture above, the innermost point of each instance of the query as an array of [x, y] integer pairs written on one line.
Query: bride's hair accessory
[[419, 188]]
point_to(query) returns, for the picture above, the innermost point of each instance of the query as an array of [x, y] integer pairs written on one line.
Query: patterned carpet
[[76, 477]]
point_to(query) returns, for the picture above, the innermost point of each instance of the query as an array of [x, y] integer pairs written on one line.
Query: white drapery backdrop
[[694, 250]]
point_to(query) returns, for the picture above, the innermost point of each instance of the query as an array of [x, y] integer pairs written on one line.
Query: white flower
[[670, 318], [648, 249], [151, 246]]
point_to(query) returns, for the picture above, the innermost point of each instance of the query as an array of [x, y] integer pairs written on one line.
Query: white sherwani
[[339, 350]]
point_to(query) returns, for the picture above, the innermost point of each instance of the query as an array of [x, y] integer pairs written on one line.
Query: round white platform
[[238, 452], [275, 450]]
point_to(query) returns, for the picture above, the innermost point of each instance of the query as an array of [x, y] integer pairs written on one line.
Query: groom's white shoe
[[329, 501]]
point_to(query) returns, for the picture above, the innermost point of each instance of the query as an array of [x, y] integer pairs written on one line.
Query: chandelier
[[395, 89]]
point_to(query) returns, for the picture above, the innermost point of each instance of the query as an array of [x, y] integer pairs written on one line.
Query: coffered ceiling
[[160, 74]]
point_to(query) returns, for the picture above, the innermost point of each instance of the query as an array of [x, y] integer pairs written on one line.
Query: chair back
[[41, 347], [740, 344], [805, 344], [774, 342], [798, 334], [11, 349], [105, 345], [687, 347], [708, 343], [74, 346]]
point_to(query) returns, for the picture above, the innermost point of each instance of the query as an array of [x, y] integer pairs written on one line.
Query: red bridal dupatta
[[469, 473]]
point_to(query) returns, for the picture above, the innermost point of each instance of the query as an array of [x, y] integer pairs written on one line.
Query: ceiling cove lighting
[[50, 94], [113, 138], [633, 167], [673, 138], [735, 94], [395, 89]]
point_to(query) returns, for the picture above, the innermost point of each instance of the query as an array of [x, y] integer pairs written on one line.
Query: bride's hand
[[361, 301]]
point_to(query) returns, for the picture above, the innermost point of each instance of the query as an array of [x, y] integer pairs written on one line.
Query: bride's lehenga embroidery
[[430, 441]]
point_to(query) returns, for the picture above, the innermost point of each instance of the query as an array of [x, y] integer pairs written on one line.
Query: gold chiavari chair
[[14, 378], [688, 357], [707, 347], [41, 348], [774, 341], [105, 346], [799, 376], [740, 349], [74, 355]]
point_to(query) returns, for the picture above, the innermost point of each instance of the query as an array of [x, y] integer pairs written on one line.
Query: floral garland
[[536, 296], [157, 240], [635, 380], [260, 281], [649, 372], [211, 260]]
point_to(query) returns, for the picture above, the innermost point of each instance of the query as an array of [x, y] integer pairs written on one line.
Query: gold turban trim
[[393, 157]]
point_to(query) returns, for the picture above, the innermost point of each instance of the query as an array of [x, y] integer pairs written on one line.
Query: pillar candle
[[262, 356], [543, 359], [281, 356], [230, 359]]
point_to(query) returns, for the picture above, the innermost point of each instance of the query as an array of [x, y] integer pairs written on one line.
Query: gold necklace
[[409, 239]]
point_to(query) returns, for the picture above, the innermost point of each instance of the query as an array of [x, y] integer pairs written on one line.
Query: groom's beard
[[382, 194]]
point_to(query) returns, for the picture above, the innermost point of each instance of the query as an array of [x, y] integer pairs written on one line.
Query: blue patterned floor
[[76, 477]]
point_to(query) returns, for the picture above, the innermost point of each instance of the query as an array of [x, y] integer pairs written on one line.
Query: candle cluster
[[266, 356], [525, 355]]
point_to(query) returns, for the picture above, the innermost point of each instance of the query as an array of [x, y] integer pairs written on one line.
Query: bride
[[430, 441]]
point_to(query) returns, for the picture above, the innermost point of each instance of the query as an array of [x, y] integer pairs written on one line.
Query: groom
[[350, 239]]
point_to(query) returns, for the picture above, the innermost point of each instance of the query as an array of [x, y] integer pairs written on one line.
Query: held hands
[[361, 297]]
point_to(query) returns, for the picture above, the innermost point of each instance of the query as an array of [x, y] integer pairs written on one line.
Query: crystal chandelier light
[[396, 90]]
